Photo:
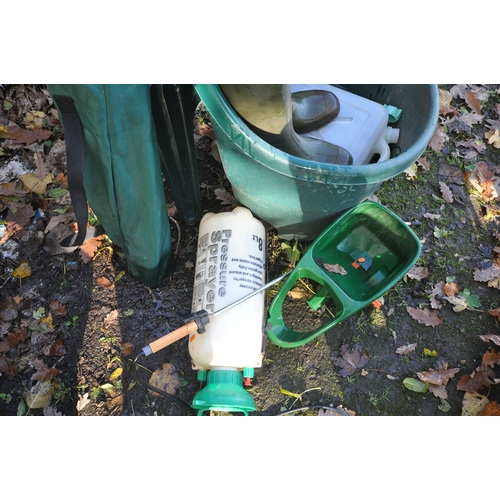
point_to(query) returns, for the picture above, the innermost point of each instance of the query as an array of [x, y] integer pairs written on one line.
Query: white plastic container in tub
[[361, 126], [230, 263], [302, 197]]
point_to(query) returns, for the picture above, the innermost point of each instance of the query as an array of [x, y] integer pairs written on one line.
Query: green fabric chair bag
[[122, 173]]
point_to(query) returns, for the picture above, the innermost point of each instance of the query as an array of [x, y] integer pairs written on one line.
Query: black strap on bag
[[75, 162]]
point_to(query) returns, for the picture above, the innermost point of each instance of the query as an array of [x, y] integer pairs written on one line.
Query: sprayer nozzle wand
[[196, 322]]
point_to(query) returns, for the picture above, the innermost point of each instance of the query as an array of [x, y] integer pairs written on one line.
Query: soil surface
[[70, 329]]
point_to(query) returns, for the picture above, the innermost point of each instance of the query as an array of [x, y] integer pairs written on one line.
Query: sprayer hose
[[157, 389]]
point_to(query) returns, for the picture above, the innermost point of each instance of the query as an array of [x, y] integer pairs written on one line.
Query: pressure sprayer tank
[[230, 263]]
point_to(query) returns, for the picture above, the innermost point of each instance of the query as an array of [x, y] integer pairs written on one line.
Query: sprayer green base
[[224, 392]]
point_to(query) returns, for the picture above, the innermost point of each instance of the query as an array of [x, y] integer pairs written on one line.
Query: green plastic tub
[[363, 254], [301, 197]]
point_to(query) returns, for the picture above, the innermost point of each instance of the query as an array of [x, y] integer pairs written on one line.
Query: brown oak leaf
[[226, 198], [438, 139], [494, 338], [476, 381], [335, 268], [451, 289], [473, 102], [110, 319], [438, 377], [351, 360], [57, 349], [57, 308], [446, 192], [7, 367], [439, 391], [424, 316], [437, 291], [406, 349], [491, 409], [418, 273], [43, 372], [491, 358], [20, 135], [487, 274], [17, 336], [89, 248], [127, 348], [17, 221]]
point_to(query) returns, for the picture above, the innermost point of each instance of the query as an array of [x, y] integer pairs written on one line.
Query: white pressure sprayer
[[230, 263], [226, 342]]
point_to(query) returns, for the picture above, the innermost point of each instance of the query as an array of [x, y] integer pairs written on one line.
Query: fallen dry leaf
[[351, 360], [33, 183], [82, 402], [427, 215], [89, 248], [477, 380], [406, 349], [451, 289], [438, 377], [484, 181], [418, 273], [473, 102], [57, 308], [424, 163], [446, 192], [487, 274], [491, 409], [49, 411], [437, 291], [22, 271], [127, 348], [7, 367], [110, 319], [57, 349], [25, 136], [17, 221], [438, 390], [491, 358], [34, 119], [493, 137], [473, 403], [424, 316], [39, 395], [43, 372], [297, 293], [226, 198], [104, 282], [493, 338], [459, 302], [438, 139], [41, 167], [166, 379], [411, 171], [445, 99], [335, 268]]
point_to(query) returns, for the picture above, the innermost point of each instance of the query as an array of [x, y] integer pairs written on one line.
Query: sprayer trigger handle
[[170, 338], [201, 318]]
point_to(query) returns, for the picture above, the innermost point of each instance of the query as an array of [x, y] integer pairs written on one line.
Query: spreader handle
[[170, 338]]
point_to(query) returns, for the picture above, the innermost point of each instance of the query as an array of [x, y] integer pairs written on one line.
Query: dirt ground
[[73, 328]]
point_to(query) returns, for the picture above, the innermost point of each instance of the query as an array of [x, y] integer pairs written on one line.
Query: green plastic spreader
[[368, 250]]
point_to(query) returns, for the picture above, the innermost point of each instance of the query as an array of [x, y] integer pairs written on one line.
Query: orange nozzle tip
[[355, 265], [377, 303]]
